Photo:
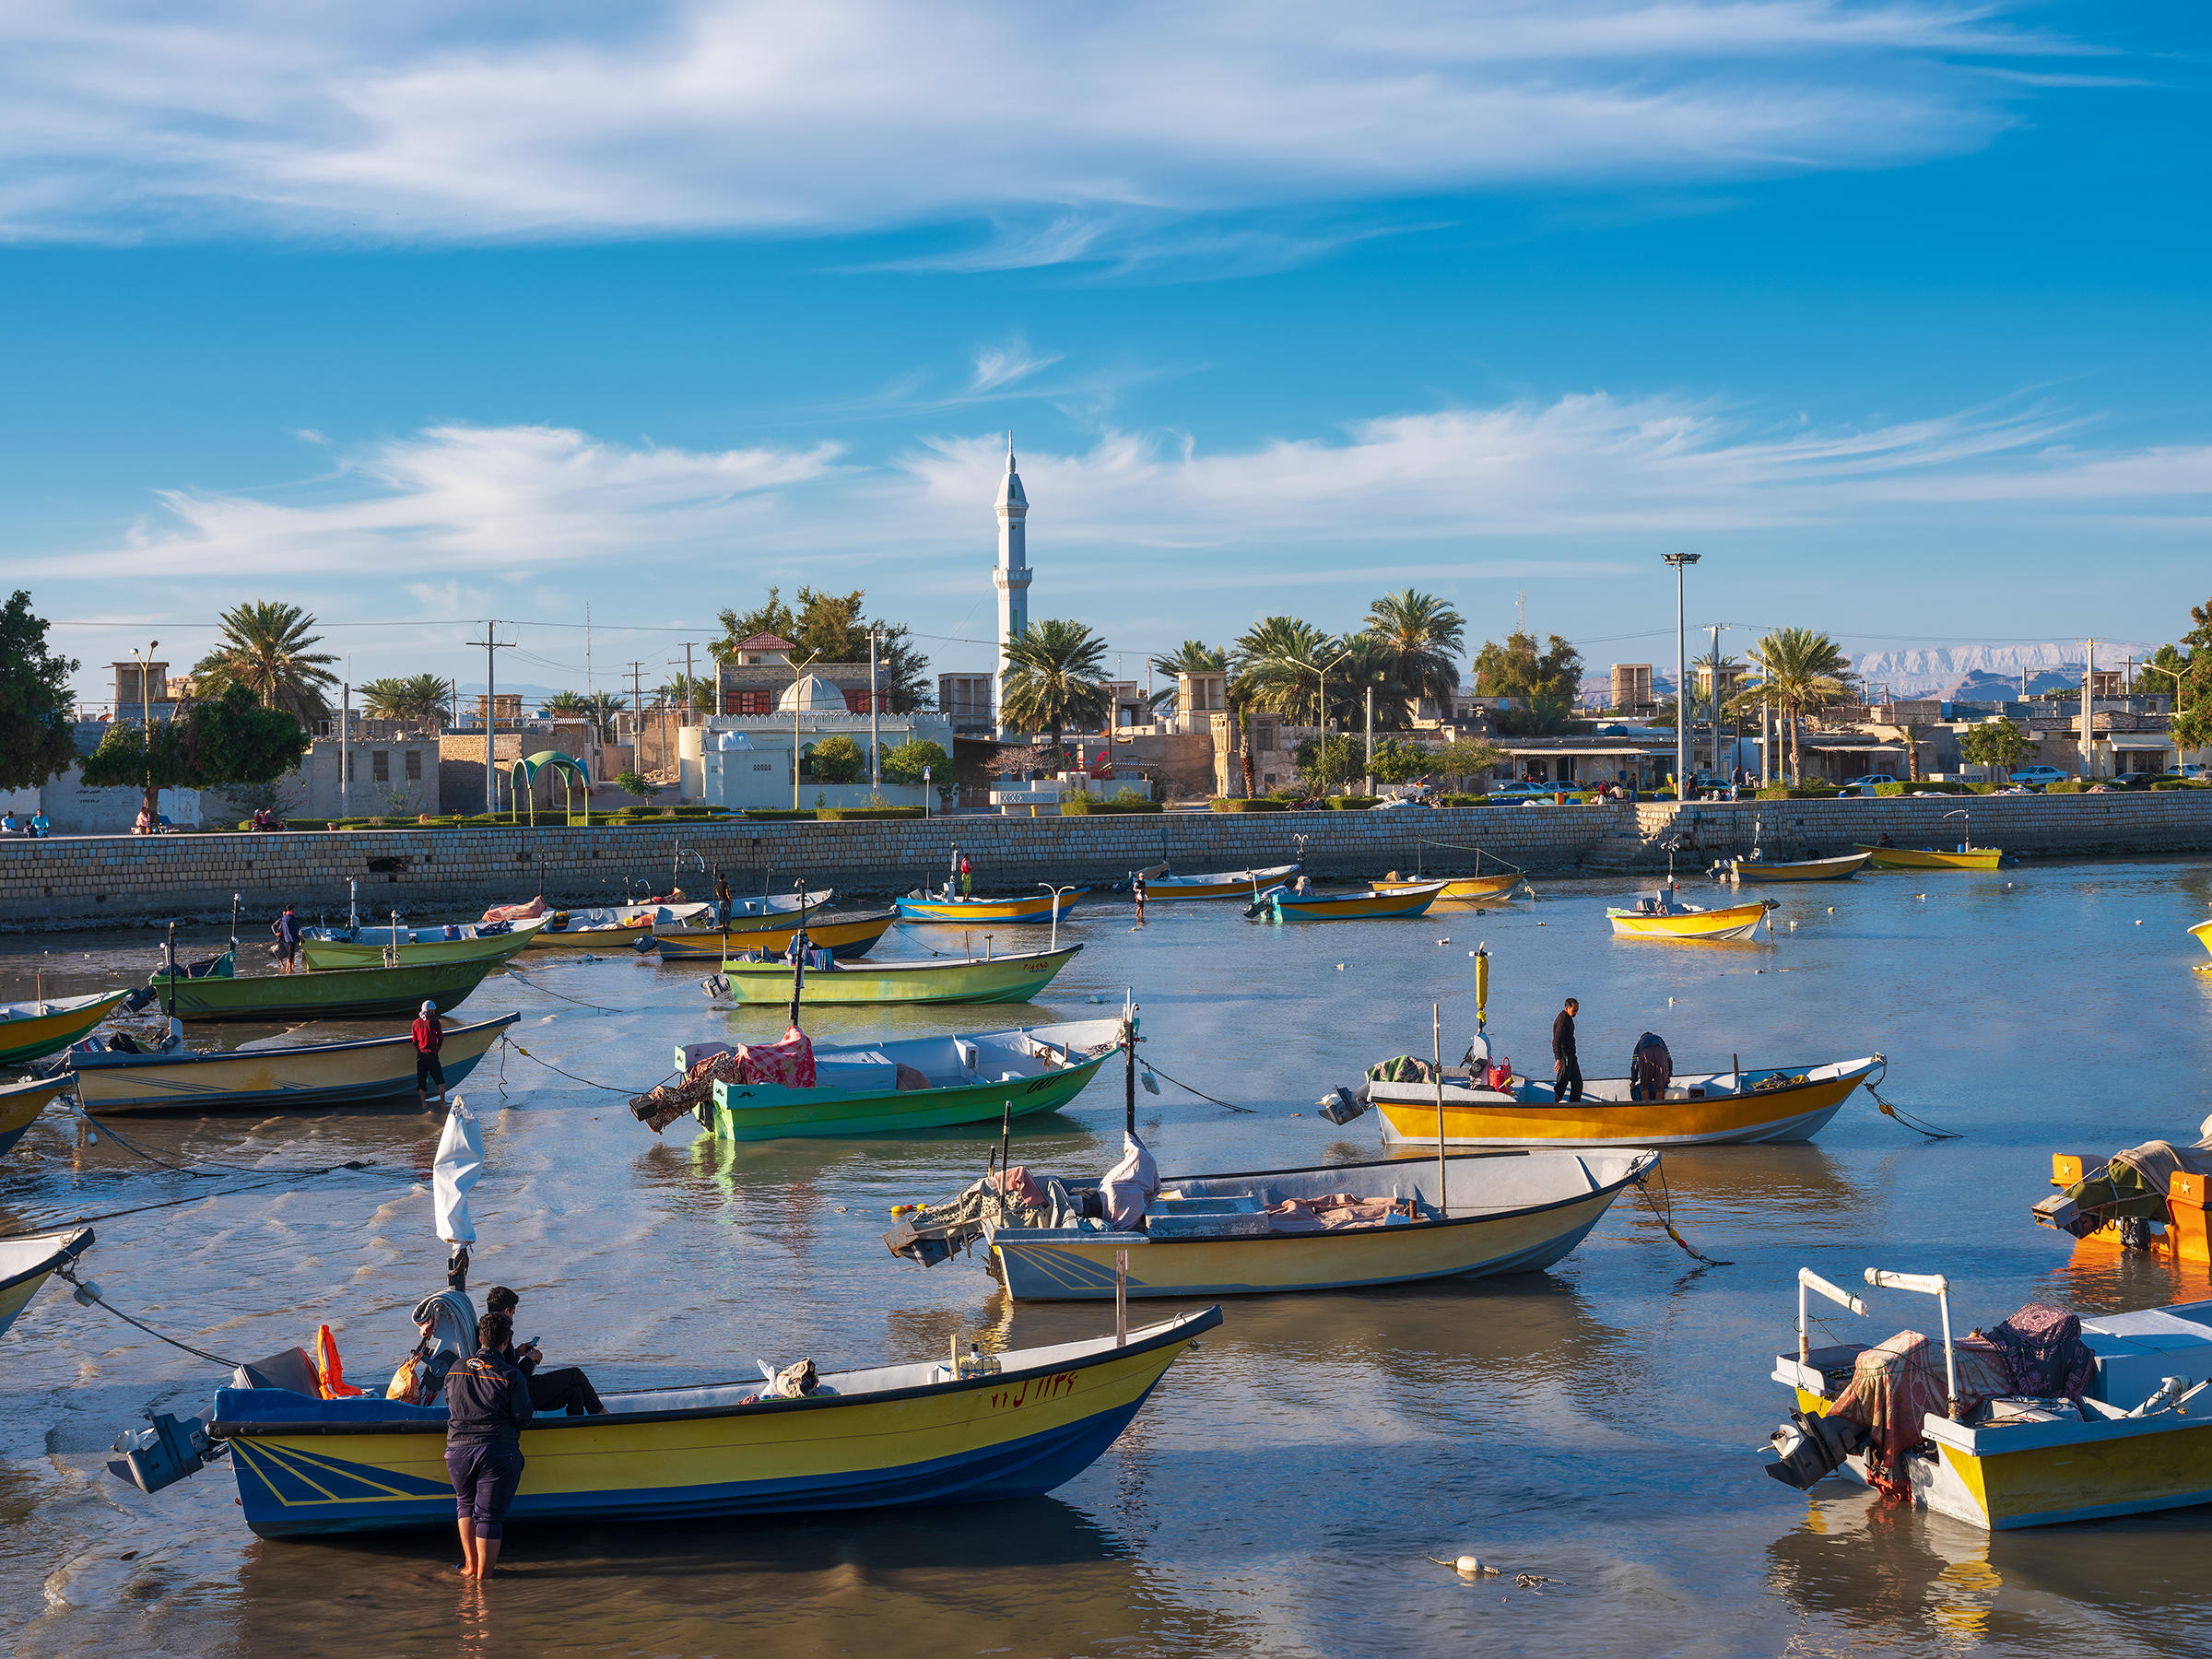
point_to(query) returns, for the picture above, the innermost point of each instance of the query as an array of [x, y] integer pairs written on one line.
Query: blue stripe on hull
[[1024, 1468]]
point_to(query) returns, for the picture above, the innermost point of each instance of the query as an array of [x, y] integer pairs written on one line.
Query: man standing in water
[[1567, 1070], [286, 929], [488, 1403], [429, 1032]]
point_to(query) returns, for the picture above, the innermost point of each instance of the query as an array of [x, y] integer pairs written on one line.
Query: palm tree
[[1800, 669], [1421, 636], [1276, 664], [1193, 657], [601, 706], [568, 705], [422, 698], [265, 648], [1055, 679]]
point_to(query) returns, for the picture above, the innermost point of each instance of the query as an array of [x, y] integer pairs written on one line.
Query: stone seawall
[[90, 882]]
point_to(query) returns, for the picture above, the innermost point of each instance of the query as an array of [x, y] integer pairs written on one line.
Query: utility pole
[[1367, 783], [1712, 701], [875, 727], [1681, 562], [492, 645], [345, 750], [588, 687], [2089, 720], [637, 713]]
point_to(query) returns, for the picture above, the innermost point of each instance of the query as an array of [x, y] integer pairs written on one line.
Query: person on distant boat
[[487, 1404], [966, 878], [1567, 1069], [566, 1389], [1137, 891], [144, 824], [286, 929], [429, 1032], [721, 897]]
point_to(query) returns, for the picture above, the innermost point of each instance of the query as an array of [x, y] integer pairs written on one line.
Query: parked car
[[1531, 791], [2040, 777], [1866, 785]]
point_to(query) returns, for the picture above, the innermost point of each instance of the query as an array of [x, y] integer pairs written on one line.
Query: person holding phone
[[566, 1389]]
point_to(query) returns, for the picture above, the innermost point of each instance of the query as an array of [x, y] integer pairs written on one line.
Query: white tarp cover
[[460, 1161], [1126, 1190]]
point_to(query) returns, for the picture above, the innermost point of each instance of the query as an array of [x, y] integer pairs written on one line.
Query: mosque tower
[[1012, 576]]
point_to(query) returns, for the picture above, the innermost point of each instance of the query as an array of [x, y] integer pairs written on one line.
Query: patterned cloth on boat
[[2044, 1348], [517, 913], [1402, 1069], [788, 1063], [1327, 1214], [1897, 1385]]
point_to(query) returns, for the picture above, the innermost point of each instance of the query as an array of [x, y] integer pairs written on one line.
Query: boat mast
[[1436, 1036]]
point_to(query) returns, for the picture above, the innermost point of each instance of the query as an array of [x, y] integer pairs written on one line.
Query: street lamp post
[[1681, 562], [146, 711], [796, 671], [1323, 671]]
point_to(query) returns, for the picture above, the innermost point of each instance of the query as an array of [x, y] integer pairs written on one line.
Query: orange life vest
[[330, 1371]]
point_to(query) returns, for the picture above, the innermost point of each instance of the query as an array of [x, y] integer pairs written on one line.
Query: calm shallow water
[[1279, 1492]]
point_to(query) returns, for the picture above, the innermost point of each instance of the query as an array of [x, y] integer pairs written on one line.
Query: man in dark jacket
[[487, 1403], [564, 1389], [1567, 1069]]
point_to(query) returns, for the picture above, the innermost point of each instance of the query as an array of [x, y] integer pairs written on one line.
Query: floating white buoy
[[1340, 967], [1792, 926], [1831, 910], [1922, 897], [2138, 921], [1670, 1002], [1468, 1564]]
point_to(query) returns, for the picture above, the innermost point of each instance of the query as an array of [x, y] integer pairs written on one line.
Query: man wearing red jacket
[[429, 1032]]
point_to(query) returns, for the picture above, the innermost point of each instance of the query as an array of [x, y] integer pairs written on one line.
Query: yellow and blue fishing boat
[[965, 913], [846, 935], [20, 1104], [892, 1436], [273, 1071], [28, 1030], [27, 1262], [993, 979], [1281, 904], [1965, 1434], [1663, 915], [398, 946], [1269, 1230]]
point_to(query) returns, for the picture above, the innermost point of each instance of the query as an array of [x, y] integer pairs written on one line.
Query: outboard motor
[[1265, 901], [165, 1451], [1341, 1105], [1810, 1448]]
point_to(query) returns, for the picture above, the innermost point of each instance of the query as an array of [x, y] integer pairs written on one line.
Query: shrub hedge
[[1234, 803]]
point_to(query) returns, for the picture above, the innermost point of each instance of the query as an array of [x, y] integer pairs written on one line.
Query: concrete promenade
[[97, 881]]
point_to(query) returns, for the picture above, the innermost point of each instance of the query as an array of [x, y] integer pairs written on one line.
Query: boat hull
[[1929, 858], [1804, 869], [1063, 1264], [377, 1068], [1017, 1434], [1219, 884], [765, 1111], [1472, 887], [1795, 1111], [1728, 922], [325, 954], [2202, 934], [967, 912], [29, 1262], [843, 940], [33, 1036], [1002, 980], [335, 993], [20, 1104], [1354, 907]]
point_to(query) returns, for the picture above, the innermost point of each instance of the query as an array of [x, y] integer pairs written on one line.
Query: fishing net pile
[[789, 1063]]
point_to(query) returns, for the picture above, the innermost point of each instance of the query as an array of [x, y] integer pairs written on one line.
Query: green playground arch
[[523, 773]]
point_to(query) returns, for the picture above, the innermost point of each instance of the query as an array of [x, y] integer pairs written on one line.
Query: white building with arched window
[[757, 760]]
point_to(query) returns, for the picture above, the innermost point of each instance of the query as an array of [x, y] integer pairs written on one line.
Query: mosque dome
[[811, 694]]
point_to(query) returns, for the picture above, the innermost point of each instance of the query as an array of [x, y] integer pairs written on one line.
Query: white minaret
[[1012, 576]]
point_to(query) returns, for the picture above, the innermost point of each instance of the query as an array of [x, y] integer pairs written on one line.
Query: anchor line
[[255, 1186], [85, 1294], [572, 1077], [1663, 1209], [1199, 1092], [213, 1171], [548, 990], [1890, 1111]]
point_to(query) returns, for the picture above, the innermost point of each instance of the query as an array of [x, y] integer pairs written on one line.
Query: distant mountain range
[[1967, 672]]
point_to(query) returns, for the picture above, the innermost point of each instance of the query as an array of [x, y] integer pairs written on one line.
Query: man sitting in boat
[[566, 1389]]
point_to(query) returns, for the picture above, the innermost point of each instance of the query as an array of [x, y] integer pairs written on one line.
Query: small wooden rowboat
[[1663, 915], [1758, 1103], [20, 1104], [847, 935], [1215, 1235], [273, 1072], [326, 947], [1931, 858], [1217, 884], [1840, 868], [893, 1436], [1004, 979], [28, 1030], [1280, 904], [974, 1077], [26, 1262], [335, 993], [965, 913]]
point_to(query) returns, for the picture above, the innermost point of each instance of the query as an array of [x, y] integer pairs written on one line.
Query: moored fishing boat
[[847, 935], [335, 993], [995, 979], [28, 1030], [20, 1104], [1664, 915], [2202, 934], [1931, 858], [2038, 1419], [272, 1072], [894, 1436], [1217, 884], [26, 1263], [1498, 884], [1281, 904], [965, 913], [395, 946], [1757, 869]]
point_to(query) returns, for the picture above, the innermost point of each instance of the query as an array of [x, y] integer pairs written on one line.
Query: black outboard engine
[[166, 1451], [1809, 1448], [1341, 1105]]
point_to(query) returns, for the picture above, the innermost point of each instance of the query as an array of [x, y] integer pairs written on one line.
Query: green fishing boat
[[215, 990], [1005, 979]]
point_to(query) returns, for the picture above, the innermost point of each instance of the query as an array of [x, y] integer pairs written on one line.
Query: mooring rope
[[87, 1295], [255, 1186], [1199, 1092], [1891, 1111], [548, 990], [572, 1077], [1663, 1209]]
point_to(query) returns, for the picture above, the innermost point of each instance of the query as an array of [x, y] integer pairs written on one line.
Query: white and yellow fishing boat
[[1259, 1232], [273, 1072], [1880, 857], [1664, 915], [612, 927], [27, 1262], [398, 946], [2202, 934], [1975, 1433], [1014, 977], [20, 1104], [28, 1030], [1462, 886], [1219, 884]]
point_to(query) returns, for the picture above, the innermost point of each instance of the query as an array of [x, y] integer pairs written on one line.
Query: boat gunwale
[[782, 969], [767, 926], [54, 1006], [724, 1092], [1847, 1071], [1181, 1328], [131, 1062], [75, 1242]]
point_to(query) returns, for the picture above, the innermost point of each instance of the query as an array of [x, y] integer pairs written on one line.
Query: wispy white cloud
[[1000, 366], [411, 121]]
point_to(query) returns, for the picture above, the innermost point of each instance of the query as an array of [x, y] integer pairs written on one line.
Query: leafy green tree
[[568, 705], [267, 648], [1193, 657], [694, 691], [637, 783], [1054, 680], [2192, 689], [903, 764], [36, 739], [832, 628], [1997, 744], [838, 760], [1328, 764], [425, 699], [1548, 713], [1464, 758], [217, 743], [1799, 669], [1517, 668], [1422, 637], [1398, 761]]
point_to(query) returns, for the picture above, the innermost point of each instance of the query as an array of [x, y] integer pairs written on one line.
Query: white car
[[2040, 777], [1531, 791], [1868, 784]]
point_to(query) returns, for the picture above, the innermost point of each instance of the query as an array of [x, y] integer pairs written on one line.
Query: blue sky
[[1892, 311]]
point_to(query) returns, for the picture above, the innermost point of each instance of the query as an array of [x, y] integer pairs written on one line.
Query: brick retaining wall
[[82, 882]]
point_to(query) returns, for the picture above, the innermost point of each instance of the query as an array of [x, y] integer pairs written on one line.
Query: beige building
[[1632, 687]]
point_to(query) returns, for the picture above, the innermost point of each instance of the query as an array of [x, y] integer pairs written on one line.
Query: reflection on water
[[1284, 1488]]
